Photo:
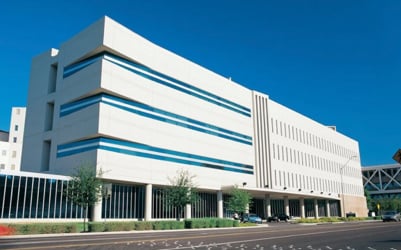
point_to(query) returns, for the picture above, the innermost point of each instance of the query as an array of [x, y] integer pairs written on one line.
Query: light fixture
[[321, 192], [285, 188], [244, 184], [299, 189], [311, 191], [266, 186]]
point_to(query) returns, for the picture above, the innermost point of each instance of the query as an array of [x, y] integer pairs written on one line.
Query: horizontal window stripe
[[69, 70], [176, 116], [156, 114], [161, 79], [146, 151], [181, 83], [72, 107], [168, 151]]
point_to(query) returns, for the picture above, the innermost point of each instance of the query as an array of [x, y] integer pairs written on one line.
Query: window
[[2, 166], [14, 139], [14, 154], [16, 128], [4, 152]]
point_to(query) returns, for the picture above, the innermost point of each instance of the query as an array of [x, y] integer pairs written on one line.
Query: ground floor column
[[220, 204], [148, 202], [328, 208], [316, 208], [268, 206], [286, 206], [302, 207], [97, 211], [187, 212]]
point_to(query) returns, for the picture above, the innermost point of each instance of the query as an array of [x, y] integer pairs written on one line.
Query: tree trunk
[[178, 217], [85, 213]]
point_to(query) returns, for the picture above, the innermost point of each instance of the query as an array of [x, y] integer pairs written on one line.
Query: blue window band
[[161, 79], [150, 152], [155, 114]]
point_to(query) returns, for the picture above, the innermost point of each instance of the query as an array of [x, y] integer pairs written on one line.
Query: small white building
[[11, 142]]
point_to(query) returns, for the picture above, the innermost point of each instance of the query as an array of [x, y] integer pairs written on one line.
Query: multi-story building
[[112, 99], [11, 142]]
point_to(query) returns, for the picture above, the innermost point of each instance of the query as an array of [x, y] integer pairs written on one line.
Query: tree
[[84, 188], [369, 200], [239, 200], [181, 192]]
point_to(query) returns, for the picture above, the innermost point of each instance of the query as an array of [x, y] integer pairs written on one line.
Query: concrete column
[[286, 206], [328, 208], [268, 205], [316, 209], [97, 207], [187, 212], [302, 207], [148, 202], [97, 211], [220, 204]]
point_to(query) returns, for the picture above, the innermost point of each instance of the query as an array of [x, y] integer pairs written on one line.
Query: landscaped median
[[332, 220], [76, 227]]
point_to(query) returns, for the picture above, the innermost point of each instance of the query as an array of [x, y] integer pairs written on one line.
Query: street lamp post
[[342, 184]]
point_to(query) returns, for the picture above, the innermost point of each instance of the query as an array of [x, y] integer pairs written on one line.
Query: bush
[[44, 228], [227, 223], [210, 223], [97, 227], [118, 226], [143, 225], [165, 225]]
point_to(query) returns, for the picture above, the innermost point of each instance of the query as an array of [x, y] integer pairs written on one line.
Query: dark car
[[253, 218], [278, 218], [391, 216]]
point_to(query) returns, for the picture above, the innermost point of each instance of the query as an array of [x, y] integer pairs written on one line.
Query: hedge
[[44, 228], [110, 226]]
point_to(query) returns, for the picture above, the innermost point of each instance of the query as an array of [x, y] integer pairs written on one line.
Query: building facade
[[111, 99], [11, 142]]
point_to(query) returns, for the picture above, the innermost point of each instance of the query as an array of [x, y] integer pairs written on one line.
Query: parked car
[[391, 216], [278, 218], [253, 218]]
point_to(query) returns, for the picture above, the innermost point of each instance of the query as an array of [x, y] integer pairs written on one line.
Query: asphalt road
[[345, 236]]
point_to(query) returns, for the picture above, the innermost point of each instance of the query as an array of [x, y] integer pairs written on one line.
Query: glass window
[[16, 128]]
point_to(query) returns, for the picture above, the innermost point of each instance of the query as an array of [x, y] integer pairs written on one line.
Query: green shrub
[[44, 228], [197, 223], [160, 225], [97, 226], [210, 223], [118, 226], [227, 223], [143, 225]]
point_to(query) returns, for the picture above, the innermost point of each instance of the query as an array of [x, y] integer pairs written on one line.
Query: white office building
[[111, 98]]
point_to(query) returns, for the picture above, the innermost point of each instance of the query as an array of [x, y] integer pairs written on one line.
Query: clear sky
[[337, 62]]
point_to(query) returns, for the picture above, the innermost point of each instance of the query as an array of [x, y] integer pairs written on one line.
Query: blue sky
[[337, 62]]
